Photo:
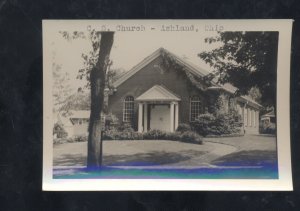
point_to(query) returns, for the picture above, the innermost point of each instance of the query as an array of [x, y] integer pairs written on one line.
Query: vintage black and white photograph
[[196, 101]]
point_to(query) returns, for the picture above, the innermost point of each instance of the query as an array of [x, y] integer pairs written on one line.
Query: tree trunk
[[97, 77]]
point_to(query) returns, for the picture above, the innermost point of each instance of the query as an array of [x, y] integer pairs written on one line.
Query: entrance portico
[[158, 109]]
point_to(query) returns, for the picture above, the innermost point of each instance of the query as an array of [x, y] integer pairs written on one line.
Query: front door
[[160, 117]]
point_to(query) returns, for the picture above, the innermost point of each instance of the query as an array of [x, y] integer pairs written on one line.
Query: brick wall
[[147, 78]]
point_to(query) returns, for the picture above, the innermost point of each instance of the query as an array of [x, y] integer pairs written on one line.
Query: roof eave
[[220, 88], [251, 102]]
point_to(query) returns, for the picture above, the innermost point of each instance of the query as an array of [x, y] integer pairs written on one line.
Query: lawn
[[131, 153], [242, 151], [236, 157]]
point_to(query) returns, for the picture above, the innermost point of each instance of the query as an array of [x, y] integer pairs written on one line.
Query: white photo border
[[284, 182]]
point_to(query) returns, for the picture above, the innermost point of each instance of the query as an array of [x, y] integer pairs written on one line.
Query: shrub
[[191, 137], [183, 128], [154, 134], [188, 136], [59, 140], [138, 136], [125, 127], [121, 135], [173, 136], [125, 135], [204, 124], [109, 135], [62, 140], [59, 130], [218, 124], [80, 138]]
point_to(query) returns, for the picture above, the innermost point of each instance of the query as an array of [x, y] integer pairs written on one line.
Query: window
[[128, 109], [196, 108]]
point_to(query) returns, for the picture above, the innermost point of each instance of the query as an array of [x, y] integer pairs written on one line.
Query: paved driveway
[[248, 142], [252, 150]]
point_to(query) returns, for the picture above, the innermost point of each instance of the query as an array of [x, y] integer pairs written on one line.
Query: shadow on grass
[[139, 159], [248, 158], [151, 158], [70, 160]]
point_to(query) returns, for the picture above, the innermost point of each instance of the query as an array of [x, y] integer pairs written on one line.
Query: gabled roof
[[269, 114], [158, 93], [191, 67], [198, 71]]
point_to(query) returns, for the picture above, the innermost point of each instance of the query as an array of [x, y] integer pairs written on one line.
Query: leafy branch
[[90, 59]]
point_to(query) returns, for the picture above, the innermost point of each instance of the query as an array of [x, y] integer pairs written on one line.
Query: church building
[[164, 90]]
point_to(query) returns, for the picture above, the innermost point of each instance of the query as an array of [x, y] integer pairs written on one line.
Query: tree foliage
[[246, 60], [61, 87], [255, 94], [90, 59], [77, 101], [81, 100]]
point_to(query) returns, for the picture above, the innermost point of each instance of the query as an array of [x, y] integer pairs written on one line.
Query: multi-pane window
[[196, 107], [128, 109]]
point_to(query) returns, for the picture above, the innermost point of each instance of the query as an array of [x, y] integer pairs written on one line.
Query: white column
[[145, 117], [176, 115], [140, 123], [257, 121], [171, 117]]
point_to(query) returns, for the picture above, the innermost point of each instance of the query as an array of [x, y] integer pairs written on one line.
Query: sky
[[129, 48]]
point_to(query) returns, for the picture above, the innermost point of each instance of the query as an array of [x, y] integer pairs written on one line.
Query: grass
[[130, 152], [254, 158]]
